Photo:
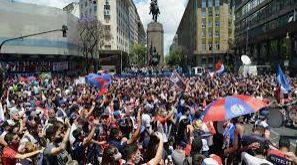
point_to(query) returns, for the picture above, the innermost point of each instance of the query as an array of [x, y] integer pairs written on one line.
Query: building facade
[[121, 17], [44, 52], [266, 30], [206, 31]]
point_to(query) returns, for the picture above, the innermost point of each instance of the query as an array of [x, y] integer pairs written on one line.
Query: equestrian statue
[[154, 10]]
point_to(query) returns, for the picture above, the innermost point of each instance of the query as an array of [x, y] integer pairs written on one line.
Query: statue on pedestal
[[154, 10], [154, 56]]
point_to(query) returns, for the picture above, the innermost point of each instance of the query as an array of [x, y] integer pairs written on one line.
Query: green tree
[[176, 57], [138, 55]]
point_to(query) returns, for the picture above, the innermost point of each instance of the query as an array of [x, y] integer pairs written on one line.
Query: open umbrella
[[44, 76], [231, 107]]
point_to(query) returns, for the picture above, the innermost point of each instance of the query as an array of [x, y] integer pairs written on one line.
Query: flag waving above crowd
[[177, 82], [282, 80], [219, 68], [101, 82]]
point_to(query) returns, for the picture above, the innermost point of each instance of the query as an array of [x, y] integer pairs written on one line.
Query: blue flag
[[282, 80]]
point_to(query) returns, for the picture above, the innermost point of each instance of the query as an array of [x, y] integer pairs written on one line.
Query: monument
[[155, 37]]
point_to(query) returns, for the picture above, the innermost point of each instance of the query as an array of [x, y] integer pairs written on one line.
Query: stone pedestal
[[155, 38]]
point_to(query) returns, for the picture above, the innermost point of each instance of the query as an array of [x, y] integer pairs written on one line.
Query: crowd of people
[[140, 120]]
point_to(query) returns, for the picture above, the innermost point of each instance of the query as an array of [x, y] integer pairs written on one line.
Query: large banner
[[60, 66]]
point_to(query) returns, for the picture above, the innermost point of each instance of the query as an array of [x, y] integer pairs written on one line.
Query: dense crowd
[[140, 120]]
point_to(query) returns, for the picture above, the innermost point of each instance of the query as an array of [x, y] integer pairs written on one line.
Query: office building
[[265, 30], [206, 31], [120, 17]]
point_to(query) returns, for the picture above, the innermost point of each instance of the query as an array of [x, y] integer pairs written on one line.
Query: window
[[209, 46], [217, 34], [107, 47], [217, 11], [106, 12], [217, 46], [203, 34], [210, 34], [86, 3], [210, 3], [203, 23], [107, 27], [210, 24], [95, 8], [203, 4], [217, 3], [203, 46], [204, 14], [217, 24], [210, 13]]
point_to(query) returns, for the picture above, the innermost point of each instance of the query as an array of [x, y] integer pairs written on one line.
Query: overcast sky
[[171, 13]]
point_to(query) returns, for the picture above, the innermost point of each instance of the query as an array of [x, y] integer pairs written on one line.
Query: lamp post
[[247, 39]]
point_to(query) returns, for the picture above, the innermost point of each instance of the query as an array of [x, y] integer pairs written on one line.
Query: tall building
[[120, 17], [266, 31], [206, 31]]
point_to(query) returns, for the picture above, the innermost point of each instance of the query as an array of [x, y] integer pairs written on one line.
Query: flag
[[100, 82], [282, 80], [219, 68], [102, 86], [177, 81], [2, 117]]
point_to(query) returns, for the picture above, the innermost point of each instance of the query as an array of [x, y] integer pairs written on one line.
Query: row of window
[[210, 23], [122, 41], [87, 2], [210, 47], [277, 23], [210, 13], [248, 7], [265, 13], [210, 34], [210, 3]]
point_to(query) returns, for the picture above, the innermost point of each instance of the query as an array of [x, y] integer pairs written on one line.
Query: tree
[[176, 57], [138, 55], [92, 34]]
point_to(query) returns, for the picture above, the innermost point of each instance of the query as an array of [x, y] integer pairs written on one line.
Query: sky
[[171, 14]]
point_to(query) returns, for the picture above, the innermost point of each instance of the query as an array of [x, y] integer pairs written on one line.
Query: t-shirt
[[178, 157], [146, 120], [77, 152], [8, 156], [251, 160]]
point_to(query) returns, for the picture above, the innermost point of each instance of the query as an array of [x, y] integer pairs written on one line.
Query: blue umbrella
[[107, 78]]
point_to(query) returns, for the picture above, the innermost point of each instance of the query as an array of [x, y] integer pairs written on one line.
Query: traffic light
[[64, 30]]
